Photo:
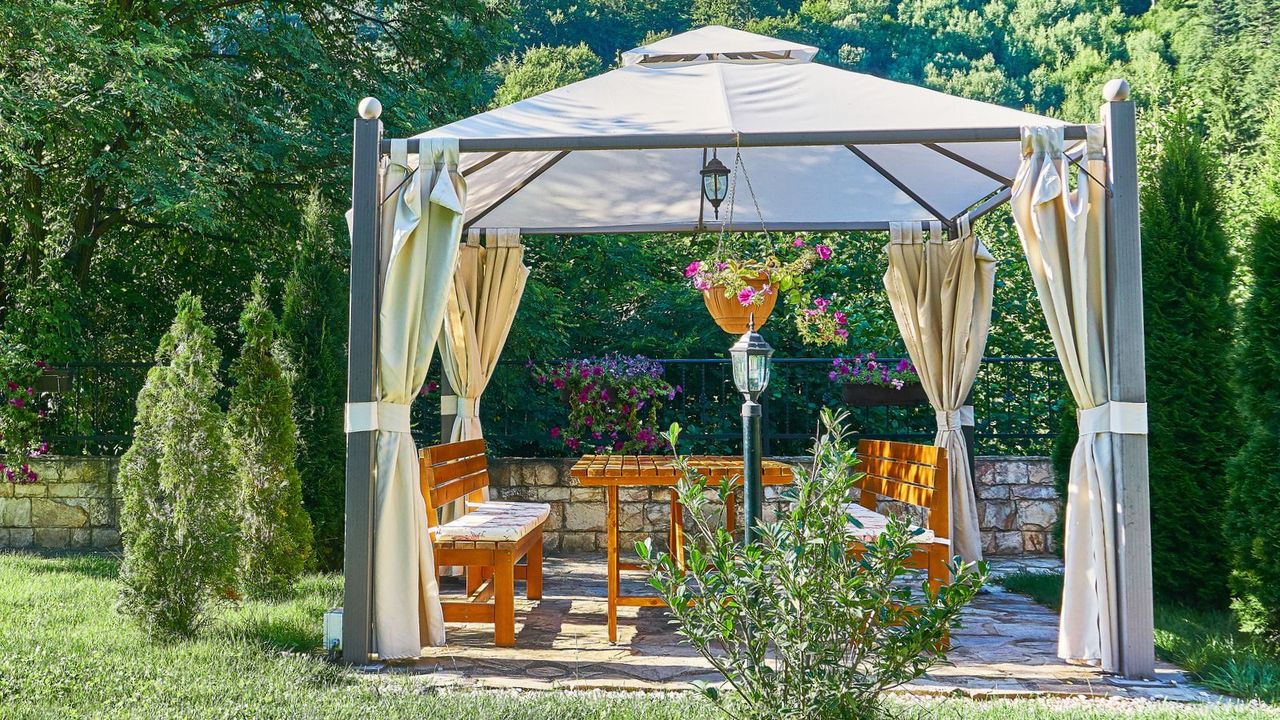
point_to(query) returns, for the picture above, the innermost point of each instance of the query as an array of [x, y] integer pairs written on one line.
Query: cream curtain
[[486, 291], [1064, 237], [941, 292], [423, 202]]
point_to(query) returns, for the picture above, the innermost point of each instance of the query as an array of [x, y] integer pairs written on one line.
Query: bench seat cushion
[[494, 522], [873, 525]]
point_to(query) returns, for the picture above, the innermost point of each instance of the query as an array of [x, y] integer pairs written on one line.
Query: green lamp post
[[750, 356]]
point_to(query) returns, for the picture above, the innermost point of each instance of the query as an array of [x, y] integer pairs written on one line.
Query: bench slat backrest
[[451, 471], [909, 473]]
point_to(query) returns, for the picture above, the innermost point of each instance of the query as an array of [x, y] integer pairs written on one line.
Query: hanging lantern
[[715, 182]]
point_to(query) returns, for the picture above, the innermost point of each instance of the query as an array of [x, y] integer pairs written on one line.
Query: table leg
[[677, 529], [611, 523]]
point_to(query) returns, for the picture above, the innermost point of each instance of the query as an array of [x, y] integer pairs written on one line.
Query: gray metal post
[[362, 385], [1128, 383], [752, 471], [446, 420]]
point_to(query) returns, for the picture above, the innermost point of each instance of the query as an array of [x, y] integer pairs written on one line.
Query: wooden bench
[[915, 475], [489, 539]]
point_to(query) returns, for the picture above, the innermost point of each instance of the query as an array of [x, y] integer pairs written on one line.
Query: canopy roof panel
[[720, 83]]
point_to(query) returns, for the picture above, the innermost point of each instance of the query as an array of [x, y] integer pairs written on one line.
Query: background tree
[[177, 521], [313, 331], [1187, 272], [543, 68], [275, 532], [1253, 519]]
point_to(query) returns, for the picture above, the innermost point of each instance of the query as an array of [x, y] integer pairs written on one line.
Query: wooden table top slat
[[604, 470]]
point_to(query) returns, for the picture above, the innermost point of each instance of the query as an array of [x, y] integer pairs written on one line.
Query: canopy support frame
[[906, 189]]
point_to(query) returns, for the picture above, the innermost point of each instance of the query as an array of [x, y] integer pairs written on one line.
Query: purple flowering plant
[[22, 411], [613, 402], [865, 369], [732, 273]]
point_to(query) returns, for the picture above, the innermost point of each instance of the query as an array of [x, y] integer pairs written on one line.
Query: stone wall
[[72, 505], [1017, 504]]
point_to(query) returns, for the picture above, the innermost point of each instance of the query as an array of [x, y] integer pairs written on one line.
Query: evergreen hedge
[[275, 532], [1253, 520], [1187, 273], [313, 331], [177, 520]]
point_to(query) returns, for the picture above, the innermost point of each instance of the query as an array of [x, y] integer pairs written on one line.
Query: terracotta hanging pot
[[732, 316]]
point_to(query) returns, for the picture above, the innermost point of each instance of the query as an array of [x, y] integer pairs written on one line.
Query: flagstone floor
[[1007, 647]]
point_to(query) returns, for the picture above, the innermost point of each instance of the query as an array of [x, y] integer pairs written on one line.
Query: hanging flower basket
[[881, 396], [731, 314]]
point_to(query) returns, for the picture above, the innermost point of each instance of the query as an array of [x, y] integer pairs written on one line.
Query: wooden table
[[614, 471]]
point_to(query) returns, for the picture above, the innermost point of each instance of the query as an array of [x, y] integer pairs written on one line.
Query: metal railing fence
[[1016, 403]]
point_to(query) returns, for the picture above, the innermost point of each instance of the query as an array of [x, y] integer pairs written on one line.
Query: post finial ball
[[370, 108], [1116, 90]]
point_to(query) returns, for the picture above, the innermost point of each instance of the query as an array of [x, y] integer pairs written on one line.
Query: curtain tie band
[[385, 416], [1123, 418], [459, 405], [949, 420]]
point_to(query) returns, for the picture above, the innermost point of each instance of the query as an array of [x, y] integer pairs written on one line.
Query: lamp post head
[[715, 182], [750, 358]]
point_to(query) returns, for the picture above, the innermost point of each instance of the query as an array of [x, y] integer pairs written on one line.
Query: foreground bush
[[799, 626], [178, 522], [313, 331], [275, 533], [1253, 527], [1187, 271]]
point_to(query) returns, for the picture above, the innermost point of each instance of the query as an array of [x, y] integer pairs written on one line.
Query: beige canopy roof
[[821, 147]]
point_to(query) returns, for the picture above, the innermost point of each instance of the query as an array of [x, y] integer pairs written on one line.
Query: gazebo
[[818, 149]]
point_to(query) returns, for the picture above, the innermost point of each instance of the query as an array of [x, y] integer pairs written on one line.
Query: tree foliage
[[543, 68], [275, 532], [1253, 521], [1187, 272], [313, 331], [178, 520]]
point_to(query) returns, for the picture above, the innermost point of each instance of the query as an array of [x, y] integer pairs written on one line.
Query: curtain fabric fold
[[941, 292], [421, 224], [482, 303], [1064, 237]]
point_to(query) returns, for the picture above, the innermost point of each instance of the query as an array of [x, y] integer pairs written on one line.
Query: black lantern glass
[[715, 182], [750, 358]]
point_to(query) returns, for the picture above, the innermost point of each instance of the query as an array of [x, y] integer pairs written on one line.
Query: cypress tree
[[1253, 519], [313, 331], [275, 532], [177, 519], [1187, 272]]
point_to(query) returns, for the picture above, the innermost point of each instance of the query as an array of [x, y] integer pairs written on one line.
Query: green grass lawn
[[1202, 642], [65, 652]]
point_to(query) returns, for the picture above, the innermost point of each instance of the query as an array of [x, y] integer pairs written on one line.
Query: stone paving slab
[[1007, 647]]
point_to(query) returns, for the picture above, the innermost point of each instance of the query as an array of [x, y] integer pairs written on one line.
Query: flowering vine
[[22, 411], [613, 402], [867, 370]]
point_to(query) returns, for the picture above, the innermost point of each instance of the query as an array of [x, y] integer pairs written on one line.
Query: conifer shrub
[[313, 332], [177, 520], [275, 532], [1187, 273], [1253, 517]]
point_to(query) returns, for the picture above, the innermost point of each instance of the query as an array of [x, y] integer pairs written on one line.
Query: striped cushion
[[873, 525], [495, 522]]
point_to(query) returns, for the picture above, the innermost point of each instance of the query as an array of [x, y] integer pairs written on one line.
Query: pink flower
[[798, 242], [897, 384], [692, 269], [558, 383], [824, 252], [821, 303], [841, 318], [722, 265], [572, 443], [555, 432], [702, 284], [746, 295], [13, 386], [843, 333], [18, 402]]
